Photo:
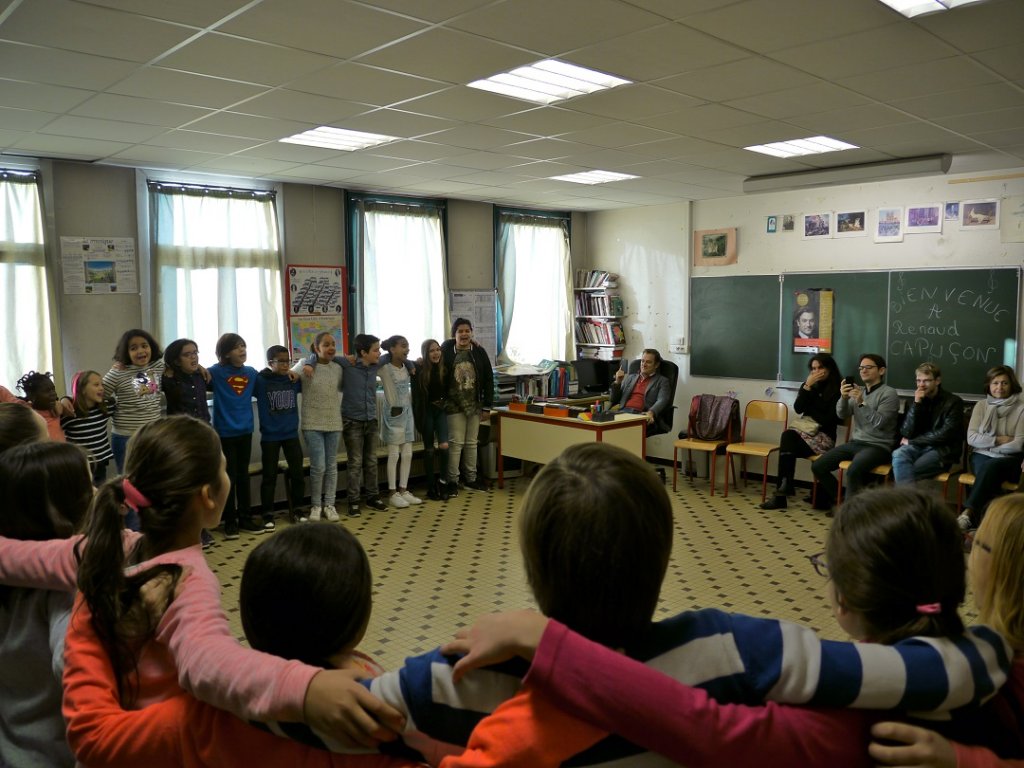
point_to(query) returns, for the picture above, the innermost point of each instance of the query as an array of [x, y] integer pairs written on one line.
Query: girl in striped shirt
[[87, 426], [134, 380]]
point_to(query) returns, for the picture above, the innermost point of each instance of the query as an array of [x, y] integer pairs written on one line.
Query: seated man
[[874, 409], [933, 429], [647, 392]]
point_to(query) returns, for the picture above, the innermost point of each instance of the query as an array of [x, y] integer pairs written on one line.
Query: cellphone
[[848, 380]]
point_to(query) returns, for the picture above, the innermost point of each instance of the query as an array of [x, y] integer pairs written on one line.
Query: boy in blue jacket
[[277, 403]]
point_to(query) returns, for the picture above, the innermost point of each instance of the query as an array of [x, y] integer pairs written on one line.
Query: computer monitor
[[595, 376]]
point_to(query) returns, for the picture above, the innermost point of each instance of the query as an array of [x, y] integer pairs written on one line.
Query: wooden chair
[[966, 480], [847, 426], [708, 447], [948, 477], [883, 471], [761, 410]]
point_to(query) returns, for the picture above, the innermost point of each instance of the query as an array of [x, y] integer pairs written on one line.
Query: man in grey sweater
[[874, 409]]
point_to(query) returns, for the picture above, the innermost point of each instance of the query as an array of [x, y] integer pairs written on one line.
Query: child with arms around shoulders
[[322, 425], [429, 392], [233, 384], [183, 383], [87, 425], [895, 562], [176, 480], [397, 427], [41, 396], [278, 406], [134, 381], [47, 488], [305, 595]]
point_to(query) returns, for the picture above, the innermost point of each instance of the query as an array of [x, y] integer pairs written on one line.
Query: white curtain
[[25, 311], [402, 266], [534, 288], [217, 266]]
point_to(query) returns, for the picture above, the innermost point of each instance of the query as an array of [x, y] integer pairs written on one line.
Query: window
[[399, 268], [534, 278], [217, 266], [25, 313]]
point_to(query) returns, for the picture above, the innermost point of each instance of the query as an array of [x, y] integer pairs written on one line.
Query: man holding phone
[[873, 409]]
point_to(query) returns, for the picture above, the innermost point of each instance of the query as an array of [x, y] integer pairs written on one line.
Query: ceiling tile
[[632, 102], [185, 88], [604, 159], [73, 26], [836, 122], [204, 142], [55, 67], [485, 161], [984, 98], [543, 149], [699, 121], [338, 29], [673, 147], [245, 164], [196, 13], [897, 134], [368, 85], [757, 133], [24, 120], [616, 135], [448, 55], [433, 12], [1008, 137], [144, 155], [320, 173], [462, 103], [90, 128], [49, 98], [657, 52], [979, 27], [798, 101], [547, 121], [244, 60], [553, 29], [980, 122], [680, 9], [111, 106], [393, 122], [294, 153], [921, 79], [363, 161], [477, 137], [72, 149], [310, 108], [416, 150], [1006, 61], [249, 126]]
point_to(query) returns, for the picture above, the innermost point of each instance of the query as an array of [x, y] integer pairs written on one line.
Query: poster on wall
[[317, 301], [480, 307], [714, 247], [813, 320], [99, 265]]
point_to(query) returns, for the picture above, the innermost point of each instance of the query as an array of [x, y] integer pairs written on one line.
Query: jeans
[[915, 462], [237, 452], [294, 483], [463, 432], [435, 426], [119, 445], [864, 456], [361, 448], [990, 473], [323, 466]]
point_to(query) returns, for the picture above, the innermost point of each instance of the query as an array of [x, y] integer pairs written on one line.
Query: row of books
[[595, 278], [598, 304], [589, 331], [599, 353]]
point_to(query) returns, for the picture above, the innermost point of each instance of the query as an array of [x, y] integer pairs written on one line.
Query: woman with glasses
[[816, 432], [996, 435]]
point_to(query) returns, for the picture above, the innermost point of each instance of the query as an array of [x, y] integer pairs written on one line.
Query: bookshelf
[[599, 310]]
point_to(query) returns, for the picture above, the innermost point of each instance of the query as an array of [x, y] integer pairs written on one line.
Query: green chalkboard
[[859, 321], [734, 326], [963, 320]]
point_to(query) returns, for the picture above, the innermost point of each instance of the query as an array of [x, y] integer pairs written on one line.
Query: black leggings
[[791, 448]]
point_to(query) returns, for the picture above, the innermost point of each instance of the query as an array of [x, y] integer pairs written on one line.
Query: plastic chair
[[708, 447], [967, 479], [762, 410], [883, 471]]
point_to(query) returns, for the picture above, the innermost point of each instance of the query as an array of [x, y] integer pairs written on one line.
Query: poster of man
[[812, 321]]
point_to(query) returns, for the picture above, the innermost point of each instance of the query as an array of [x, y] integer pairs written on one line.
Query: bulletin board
[[317, 300]]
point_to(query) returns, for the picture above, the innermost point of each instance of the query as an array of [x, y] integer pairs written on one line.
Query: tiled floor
[[438, 565]]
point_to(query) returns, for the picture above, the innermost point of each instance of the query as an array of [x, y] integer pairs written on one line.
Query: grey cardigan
[[874, 422]]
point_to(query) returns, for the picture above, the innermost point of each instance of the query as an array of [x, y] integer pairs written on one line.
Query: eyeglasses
[[820, 566], [866, 367], [190, 354]]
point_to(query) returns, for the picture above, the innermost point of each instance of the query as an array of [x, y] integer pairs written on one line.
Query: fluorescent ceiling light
[[548, 81], [931, 165], [813, 145], [593, 177], [912, 8], [338, 138]]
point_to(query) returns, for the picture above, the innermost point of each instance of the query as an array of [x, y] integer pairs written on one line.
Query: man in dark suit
[[647, 392]]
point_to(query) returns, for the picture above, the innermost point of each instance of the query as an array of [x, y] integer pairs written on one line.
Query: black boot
[[778, 501], [434, 491], [442, 490], [786, 488]]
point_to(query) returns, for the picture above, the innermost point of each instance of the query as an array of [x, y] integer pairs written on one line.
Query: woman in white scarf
[[996, 435]]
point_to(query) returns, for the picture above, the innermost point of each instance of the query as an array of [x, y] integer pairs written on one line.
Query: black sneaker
[[249, 525], [206, 538], [230, 531], [353, 510], [479, 484], [376, 503], [451, 490]]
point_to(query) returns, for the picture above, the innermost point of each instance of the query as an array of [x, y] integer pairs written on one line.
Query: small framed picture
[[979, 214], [789, 222], [714, 247], [851, 223], [818, 226], [772, 225], [923, 217], [952, 212], [889, 227]]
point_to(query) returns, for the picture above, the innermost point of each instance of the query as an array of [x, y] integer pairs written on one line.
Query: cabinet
[[599, 310]]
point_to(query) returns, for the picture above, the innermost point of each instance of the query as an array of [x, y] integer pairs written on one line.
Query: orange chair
[[708, 447], [761, 410], [966, 480], [882, 470]]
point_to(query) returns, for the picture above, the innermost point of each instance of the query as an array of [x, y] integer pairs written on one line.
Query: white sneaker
[[397, 501], [331, 514], [409, 498], [314, 514]]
